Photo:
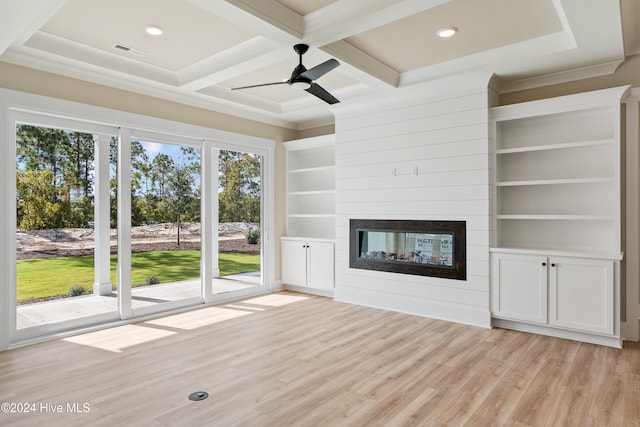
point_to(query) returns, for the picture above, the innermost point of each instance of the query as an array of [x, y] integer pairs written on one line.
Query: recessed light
[[447, 32], [154, 30]]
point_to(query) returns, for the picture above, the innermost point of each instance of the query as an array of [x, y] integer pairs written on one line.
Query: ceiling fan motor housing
[[301, 48]]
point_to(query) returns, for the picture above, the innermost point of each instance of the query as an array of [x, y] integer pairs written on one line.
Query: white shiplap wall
[[446, 138]]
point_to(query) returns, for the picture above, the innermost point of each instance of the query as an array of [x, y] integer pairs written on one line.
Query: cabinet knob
[[553, 265], [544, 264]]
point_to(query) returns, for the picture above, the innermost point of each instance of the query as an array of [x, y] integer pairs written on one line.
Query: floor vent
[[198, 395]]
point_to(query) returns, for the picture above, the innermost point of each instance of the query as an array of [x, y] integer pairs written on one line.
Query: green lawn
[[39, 278]]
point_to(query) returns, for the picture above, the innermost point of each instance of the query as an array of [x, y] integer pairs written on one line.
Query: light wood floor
[[294, 359]]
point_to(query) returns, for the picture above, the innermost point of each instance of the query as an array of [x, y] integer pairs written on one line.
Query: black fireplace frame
[[457, 271]]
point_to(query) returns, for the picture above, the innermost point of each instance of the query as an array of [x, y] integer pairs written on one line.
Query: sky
[[155, 148]]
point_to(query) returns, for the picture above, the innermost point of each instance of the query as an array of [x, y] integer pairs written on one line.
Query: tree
[[77, 183], [179, 194], [60, 166], [240, 187], [139, 166], [175, 187], [113, 182], [69, 157], [36, 200], [40, 148], [162, 167], [80, 153]]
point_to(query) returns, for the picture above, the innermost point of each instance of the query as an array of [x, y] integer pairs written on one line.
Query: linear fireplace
[[425, 248]]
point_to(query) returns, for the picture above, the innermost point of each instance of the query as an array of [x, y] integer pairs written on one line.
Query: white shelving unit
[[557, 174], [557, 193], [311, 188], [308, 247]]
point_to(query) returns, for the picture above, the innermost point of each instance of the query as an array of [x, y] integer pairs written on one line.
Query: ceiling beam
[[254, 16], [330, 26], [274, 13], [364, 62], [344, 19]]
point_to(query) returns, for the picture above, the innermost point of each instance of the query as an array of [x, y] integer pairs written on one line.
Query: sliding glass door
[[165, 224], [240, 207], [118, 223], [61, 188]]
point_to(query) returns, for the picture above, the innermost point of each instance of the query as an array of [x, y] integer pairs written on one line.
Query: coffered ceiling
[[210, 46]]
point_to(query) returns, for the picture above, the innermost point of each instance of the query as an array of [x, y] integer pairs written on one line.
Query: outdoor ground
[[79, 241]]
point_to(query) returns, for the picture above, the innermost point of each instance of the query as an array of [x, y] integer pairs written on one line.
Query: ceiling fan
[[303, 78]]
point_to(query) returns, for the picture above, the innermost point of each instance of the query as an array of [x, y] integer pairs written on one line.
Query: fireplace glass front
[[401, 247], [428, 248]]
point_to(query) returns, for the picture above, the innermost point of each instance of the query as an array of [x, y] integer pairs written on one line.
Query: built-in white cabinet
[[556, 238], [569, 293], [308, 247], [519, 287], [581, 294], [308, 264]]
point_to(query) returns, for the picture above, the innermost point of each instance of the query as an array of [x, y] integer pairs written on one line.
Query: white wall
[[444, 133]]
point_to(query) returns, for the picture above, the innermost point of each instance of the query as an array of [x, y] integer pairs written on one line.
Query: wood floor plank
[[295, 359], [501, 355]]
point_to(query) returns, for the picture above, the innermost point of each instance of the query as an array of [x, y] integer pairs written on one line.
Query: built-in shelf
[[557, 173], [315, 169], [556, 242], [560, 217], [555, 181], [308, 247], [560, 146], [311, 190], [312, 215]]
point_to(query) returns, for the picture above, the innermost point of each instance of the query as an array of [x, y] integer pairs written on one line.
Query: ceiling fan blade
[[320, 69], [260, 85], [318, 91]]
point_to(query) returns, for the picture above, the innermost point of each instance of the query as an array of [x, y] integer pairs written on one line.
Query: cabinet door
[[581, 294], [320, 265], [519, 287], [294, 262]]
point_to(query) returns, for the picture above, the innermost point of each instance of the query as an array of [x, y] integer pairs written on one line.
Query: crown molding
[[591, 71]]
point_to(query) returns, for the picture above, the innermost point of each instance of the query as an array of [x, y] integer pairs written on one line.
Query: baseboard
[[615, 342], [441, 310], [630, 330], [277, 285], [312, 291]]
